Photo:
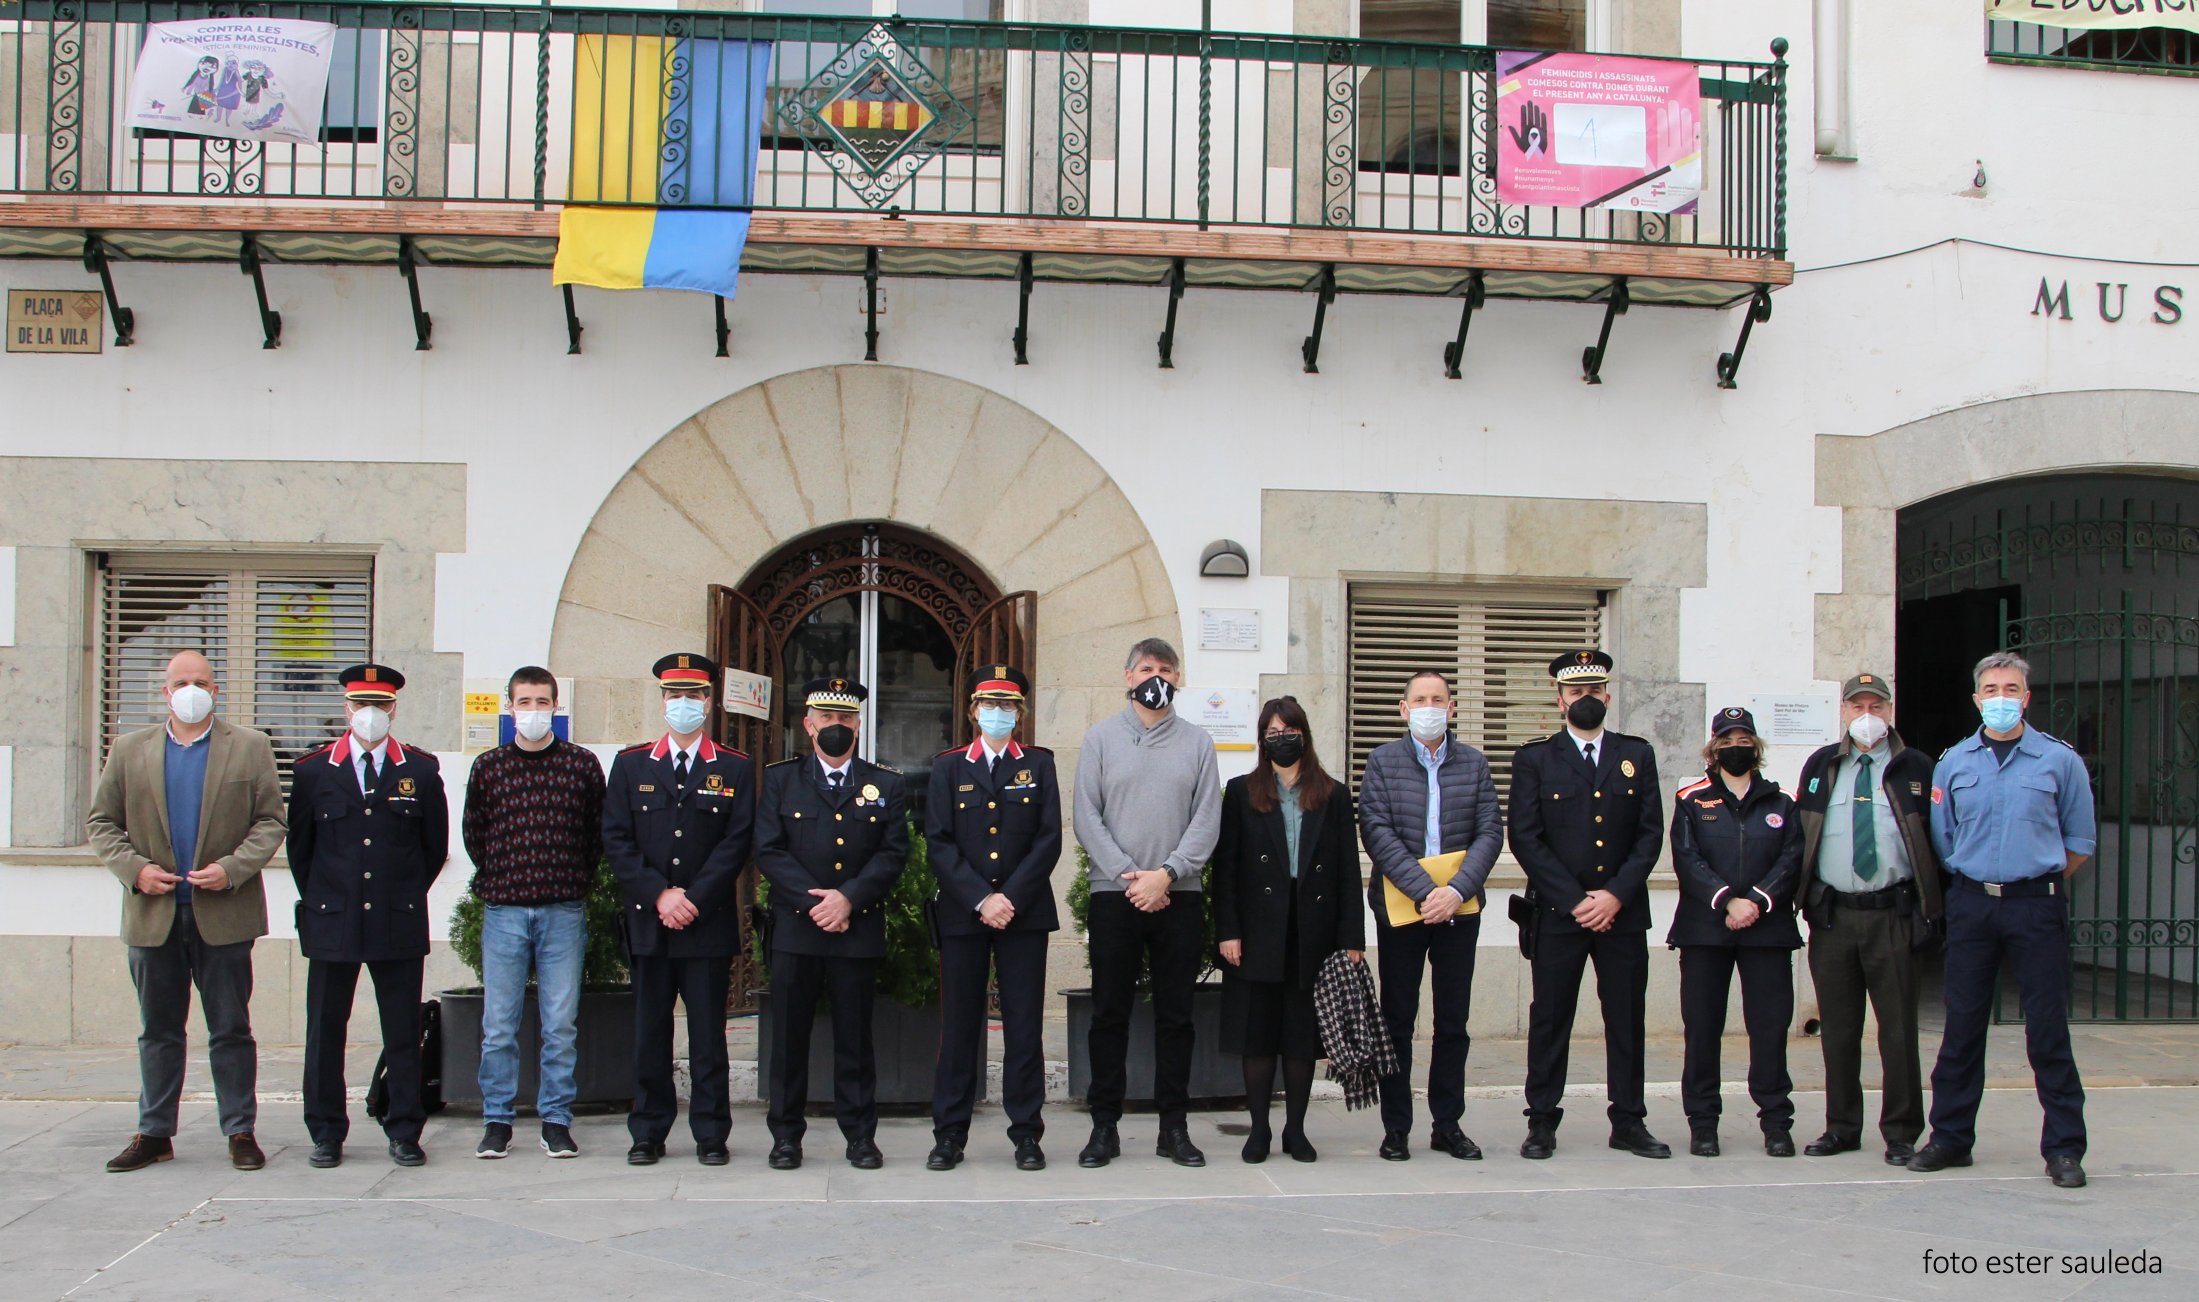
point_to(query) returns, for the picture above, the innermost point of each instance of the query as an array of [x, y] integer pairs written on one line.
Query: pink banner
[[1597, 131]]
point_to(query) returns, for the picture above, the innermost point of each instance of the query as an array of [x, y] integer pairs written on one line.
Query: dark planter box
[[905, 1039], [1215, 1075], [604, 1073]]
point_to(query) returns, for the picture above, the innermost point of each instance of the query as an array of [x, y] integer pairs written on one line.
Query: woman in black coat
[[1737, 847], [1286, 895]]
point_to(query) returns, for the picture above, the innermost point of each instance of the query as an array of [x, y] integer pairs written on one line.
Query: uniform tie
[[1590, 751], [838, 779], [1866, 822], [373, 773], [679, 769]]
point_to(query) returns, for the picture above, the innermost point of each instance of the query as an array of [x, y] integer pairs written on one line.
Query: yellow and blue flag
[[669, 128]]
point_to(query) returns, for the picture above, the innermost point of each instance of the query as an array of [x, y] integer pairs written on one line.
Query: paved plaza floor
[[1592, 1223]]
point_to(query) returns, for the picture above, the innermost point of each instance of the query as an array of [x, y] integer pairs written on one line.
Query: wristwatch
[[1172, 877]]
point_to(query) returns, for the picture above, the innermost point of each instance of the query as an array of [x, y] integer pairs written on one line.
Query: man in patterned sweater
[[534, 828]]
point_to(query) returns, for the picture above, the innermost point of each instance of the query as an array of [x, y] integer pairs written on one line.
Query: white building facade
[[1971, 419]]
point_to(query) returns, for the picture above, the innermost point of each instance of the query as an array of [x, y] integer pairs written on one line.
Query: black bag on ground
[[431, 1066]]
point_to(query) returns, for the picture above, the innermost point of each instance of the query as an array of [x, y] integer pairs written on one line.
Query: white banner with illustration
[[242, 78], [2099, 13]]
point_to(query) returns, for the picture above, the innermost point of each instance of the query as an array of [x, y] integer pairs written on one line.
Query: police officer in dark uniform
[[677, 818], [993, 825], [1587, 823], [369, 831], [832, 837]]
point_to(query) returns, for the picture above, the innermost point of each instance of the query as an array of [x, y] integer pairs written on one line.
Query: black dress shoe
[[1103, 1147], [1933, 1157], [1703, 1143], [1395, 1147], [1779, 1143], [1540, 1143], [1176, 1146], [326, 1155], [863, 1155], [1640, 1143], [714, 1154], [1454, 1141], [645, 1152], [946, 1155], [1299, 1147], [406, 1152], [2067, 1171], [786, 1155], [1899, 1154], [1256, 1145], [1029, 1156], [1827, 1144]]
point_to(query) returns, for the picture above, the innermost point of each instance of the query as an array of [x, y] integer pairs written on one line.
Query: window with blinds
[[276, 629], [1495, 643]]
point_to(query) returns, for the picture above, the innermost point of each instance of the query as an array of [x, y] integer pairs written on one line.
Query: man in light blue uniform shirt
[[2012, 819]]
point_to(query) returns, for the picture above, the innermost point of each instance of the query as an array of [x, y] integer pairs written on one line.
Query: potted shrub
[[1214, 1074], [905, 1017], [604, 1073]]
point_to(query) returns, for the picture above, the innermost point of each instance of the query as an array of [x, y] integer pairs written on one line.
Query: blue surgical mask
[[683, 714], [995, 722], [2001, 713]]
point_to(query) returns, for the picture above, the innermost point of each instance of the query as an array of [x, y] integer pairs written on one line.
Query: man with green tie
[[1871, 890]]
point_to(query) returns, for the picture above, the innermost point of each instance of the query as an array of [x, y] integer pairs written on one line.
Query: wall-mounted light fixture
[[1224, 559]]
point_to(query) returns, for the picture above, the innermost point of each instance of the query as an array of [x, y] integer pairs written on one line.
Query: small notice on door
[[747, 693], [56, 321]]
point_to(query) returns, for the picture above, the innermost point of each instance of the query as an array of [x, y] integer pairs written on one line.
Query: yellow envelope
[[1441, 868]]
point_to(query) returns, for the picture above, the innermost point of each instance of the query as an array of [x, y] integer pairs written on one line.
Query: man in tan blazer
[[186, 815]]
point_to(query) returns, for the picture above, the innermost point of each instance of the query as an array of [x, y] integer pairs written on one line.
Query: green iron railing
[[486, 104], [2128, 49]]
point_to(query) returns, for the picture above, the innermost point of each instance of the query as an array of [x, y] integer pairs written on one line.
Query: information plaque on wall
[[1228, 629], [56, 321]]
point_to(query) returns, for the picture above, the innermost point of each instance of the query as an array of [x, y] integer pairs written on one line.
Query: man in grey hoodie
[[1148, 810]]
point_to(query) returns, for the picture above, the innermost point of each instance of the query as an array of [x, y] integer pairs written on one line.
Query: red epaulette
[[736, 754], [1693, 787], [322, 749], [951, 750], [639, 745]]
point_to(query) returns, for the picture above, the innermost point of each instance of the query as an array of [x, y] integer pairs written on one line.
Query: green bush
[[910, 974], [605, 963], [1080, 915]]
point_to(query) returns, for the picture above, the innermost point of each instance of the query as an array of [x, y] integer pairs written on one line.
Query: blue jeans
[[552, 939]]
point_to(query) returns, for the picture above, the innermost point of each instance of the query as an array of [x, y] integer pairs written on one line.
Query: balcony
[[1178, 158]]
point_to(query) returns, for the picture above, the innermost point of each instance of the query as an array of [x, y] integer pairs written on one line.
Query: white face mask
[[1868, 730], [1429, 722], [191, 704], [370, 723], [534, 725]]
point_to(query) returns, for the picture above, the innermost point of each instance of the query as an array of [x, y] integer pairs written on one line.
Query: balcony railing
[[2128, 49], [463, 105]]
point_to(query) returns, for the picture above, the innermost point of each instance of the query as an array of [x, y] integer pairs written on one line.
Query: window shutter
[[276, 630], [1495, 643]]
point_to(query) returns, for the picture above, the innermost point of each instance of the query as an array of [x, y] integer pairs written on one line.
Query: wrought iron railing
[[2130, 49], [483, 104]]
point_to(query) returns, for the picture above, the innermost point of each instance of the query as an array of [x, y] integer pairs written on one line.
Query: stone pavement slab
[[1590, 1223]]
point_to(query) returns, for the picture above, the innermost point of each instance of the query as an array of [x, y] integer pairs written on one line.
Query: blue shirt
[[1432, 761], [2008, 822], [183, 771]]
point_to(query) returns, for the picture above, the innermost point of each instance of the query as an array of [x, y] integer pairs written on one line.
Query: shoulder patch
[[886, 768]]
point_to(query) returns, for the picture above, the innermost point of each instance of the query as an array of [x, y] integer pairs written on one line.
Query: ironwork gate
[[2102, 597]]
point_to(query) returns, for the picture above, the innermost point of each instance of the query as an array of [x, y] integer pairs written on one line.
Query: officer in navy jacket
[[1587, 823], [677, 821], [993, 827], [1737, 850], [831, 838], [369, 831]]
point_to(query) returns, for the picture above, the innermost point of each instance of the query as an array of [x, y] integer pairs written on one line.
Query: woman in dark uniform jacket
[[1286, 895], [1737, 847]]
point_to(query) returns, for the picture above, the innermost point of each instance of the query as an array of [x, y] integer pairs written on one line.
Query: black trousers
[[2033, 935], [329, 989], [1865, 955], [1767, 1009], [1448, 954], [1622, 979], [1121, 936], [964, 962], [164, 975], [797, 982], [700, 984]]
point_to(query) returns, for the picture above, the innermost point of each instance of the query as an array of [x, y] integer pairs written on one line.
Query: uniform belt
[[2025, 889], [1889, 897]]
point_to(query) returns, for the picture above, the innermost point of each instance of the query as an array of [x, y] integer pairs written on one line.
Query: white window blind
[[1496, 645], [276, 629]]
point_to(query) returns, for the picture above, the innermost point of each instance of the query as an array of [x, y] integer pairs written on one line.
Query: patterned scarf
[[1353, 1037]]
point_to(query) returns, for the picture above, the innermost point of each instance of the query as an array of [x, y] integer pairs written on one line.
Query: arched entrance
[[2094, 579], [901, 611]]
